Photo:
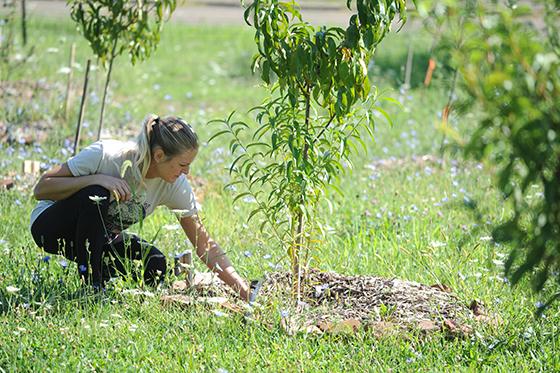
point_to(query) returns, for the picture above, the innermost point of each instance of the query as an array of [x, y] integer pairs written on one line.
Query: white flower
[[436, 244], [64, 70], [12, 289], [97, 199]]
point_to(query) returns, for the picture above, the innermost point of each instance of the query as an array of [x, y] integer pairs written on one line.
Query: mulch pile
[[335, 303]]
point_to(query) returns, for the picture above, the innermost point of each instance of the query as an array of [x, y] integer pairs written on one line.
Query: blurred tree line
[[507, 56]]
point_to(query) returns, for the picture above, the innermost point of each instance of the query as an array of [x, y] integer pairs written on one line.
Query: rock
[[455, 330], [427, 326], [324, 325], [348, 326], [312, 329], [383, 328], [6, 184]]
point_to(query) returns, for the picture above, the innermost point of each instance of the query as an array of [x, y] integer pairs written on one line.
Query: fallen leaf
[[455, 330]]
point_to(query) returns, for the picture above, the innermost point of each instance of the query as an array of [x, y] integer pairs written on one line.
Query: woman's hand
[[118, 188], [212, 255]]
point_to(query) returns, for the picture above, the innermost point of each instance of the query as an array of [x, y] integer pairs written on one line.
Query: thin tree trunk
[[69, 82], [82, 107], [105, 89], [296, 264], [23, 22], [408, 68]]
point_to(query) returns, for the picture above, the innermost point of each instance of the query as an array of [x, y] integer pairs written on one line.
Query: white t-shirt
[[107, 157]]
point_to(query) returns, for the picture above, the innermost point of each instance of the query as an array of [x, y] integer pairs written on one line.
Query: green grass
[[409, 222]]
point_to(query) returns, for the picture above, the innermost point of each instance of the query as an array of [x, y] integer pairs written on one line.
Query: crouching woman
[[86, 203]]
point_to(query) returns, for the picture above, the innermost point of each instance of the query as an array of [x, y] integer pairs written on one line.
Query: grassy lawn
[[401, 216]]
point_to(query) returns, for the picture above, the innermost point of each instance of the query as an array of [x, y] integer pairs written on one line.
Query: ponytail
[[173, 135], [144, 150]]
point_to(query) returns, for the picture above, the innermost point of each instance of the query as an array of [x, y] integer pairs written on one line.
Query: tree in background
[[115, 26], [511, 76]]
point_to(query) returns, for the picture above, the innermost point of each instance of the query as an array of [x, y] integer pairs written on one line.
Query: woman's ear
[[158, 155]]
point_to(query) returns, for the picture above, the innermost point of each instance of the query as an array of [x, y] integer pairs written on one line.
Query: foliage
[[11, 57], [308, 128], [113, 26], [511, 72]]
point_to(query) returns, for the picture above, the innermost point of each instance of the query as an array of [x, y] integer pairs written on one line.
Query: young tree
[[115, 26], [309, 126]]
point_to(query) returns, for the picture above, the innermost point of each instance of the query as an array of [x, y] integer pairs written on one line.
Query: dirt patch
[[23, 130], [335, 303]]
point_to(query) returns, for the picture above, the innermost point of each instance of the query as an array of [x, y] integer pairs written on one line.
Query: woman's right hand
[[117, 187]]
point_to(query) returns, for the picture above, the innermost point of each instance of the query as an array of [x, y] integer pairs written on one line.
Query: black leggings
[[74, 227]]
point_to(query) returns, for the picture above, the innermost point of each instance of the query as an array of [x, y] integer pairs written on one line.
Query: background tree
[[511, 77], [115, 26], [307, 129]]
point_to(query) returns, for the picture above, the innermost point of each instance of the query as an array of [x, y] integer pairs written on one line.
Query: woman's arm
[[59, 183], [211, 254]]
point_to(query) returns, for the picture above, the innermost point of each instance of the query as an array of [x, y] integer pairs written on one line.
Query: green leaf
[[232, 166], [385, 114], [218, 134], [241, 195]]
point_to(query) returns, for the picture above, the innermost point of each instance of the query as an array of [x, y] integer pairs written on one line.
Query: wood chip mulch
[[334, 303]]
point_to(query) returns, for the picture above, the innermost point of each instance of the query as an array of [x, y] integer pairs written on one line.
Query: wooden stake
[[23, 22], [429, 72], [408, 70], [69, 82], [82, 106]]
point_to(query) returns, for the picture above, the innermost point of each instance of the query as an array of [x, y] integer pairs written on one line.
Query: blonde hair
[[172, 134]]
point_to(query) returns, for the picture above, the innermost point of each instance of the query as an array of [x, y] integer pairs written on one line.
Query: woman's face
[[169, 169]]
